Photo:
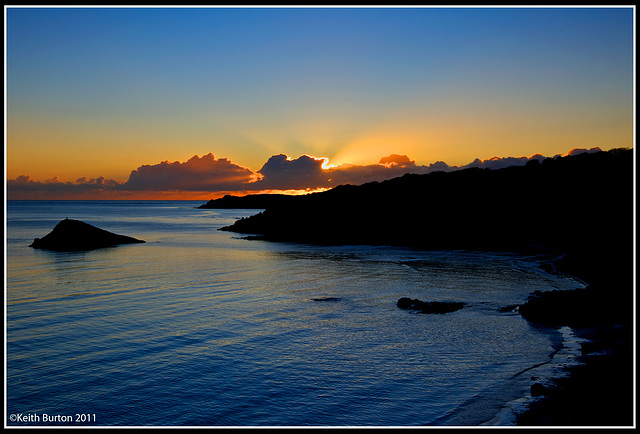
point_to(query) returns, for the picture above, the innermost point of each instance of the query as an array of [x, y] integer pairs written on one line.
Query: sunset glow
[[101, 106]]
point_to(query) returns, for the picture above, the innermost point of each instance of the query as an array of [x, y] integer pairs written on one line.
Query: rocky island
[[75, 235]]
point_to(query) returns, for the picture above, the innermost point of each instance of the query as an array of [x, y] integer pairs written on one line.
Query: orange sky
[[350, 85], [208, 177]]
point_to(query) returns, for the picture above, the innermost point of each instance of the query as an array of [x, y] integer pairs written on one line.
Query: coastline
[[575, 387], [597, 391], [547, 375], [589, 380], [581, 206], [594, 384]]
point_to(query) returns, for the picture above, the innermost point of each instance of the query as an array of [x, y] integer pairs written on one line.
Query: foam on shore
[[545, 374]]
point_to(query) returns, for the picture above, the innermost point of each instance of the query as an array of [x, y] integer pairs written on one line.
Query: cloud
[[397, 160], [26, 187], [282, 173], [207, 175], [305, 172], [196, 174], [353, 174], [497, 162], [578, 151]]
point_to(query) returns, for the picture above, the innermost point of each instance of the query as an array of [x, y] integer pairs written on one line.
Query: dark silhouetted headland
[[581, 207], [252, 201], [74, 235], [566, 204]]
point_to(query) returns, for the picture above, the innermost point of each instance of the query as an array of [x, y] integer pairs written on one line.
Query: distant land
[[580, 208], [252, 201]]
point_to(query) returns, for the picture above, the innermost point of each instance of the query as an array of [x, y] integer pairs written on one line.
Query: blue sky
[[110, 89]]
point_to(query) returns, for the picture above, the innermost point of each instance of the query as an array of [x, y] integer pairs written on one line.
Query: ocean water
[[199, 327]]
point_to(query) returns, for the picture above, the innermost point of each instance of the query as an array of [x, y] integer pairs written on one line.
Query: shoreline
[[598, 390], [579, 388], [545, 374], [589, 380], [594, 392], [580, 207]]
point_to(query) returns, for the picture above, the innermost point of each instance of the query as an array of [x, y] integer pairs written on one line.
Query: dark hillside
[[561, 203]]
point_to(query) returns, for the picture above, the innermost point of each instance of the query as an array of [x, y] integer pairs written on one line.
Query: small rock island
[[75, 235]]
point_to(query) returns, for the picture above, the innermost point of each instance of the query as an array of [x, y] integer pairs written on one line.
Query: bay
[[200, 327]]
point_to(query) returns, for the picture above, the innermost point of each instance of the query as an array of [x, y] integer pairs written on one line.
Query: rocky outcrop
[[583, 307], [538, 389], [74, 235], [327, 299], [429, 306]]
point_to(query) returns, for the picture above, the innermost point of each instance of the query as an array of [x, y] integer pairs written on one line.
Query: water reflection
[[203, 328]]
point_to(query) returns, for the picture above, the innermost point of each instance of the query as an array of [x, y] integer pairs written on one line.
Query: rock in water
[[429, 306], [538, 389], [74, 235]]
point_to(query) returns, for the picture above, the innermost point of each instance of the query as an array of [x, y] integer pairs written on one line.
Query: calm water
[[199, 327]]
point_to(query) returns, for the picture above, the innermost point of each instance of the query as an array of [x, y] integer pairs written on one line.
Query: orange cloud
[[395, 159], [196, 174]]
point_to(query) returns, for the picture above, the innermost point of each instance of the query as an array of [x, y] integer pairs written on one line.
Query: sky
[[193, 103]]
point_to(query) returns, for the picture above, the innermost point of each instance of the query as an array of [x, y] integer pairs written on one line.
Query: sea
[[199, 327]]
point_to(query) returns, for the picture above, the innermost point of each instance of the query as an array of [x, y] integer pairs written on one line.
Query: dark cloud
[[578, 151], [25, 187], [498, 163], [283, 173]]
